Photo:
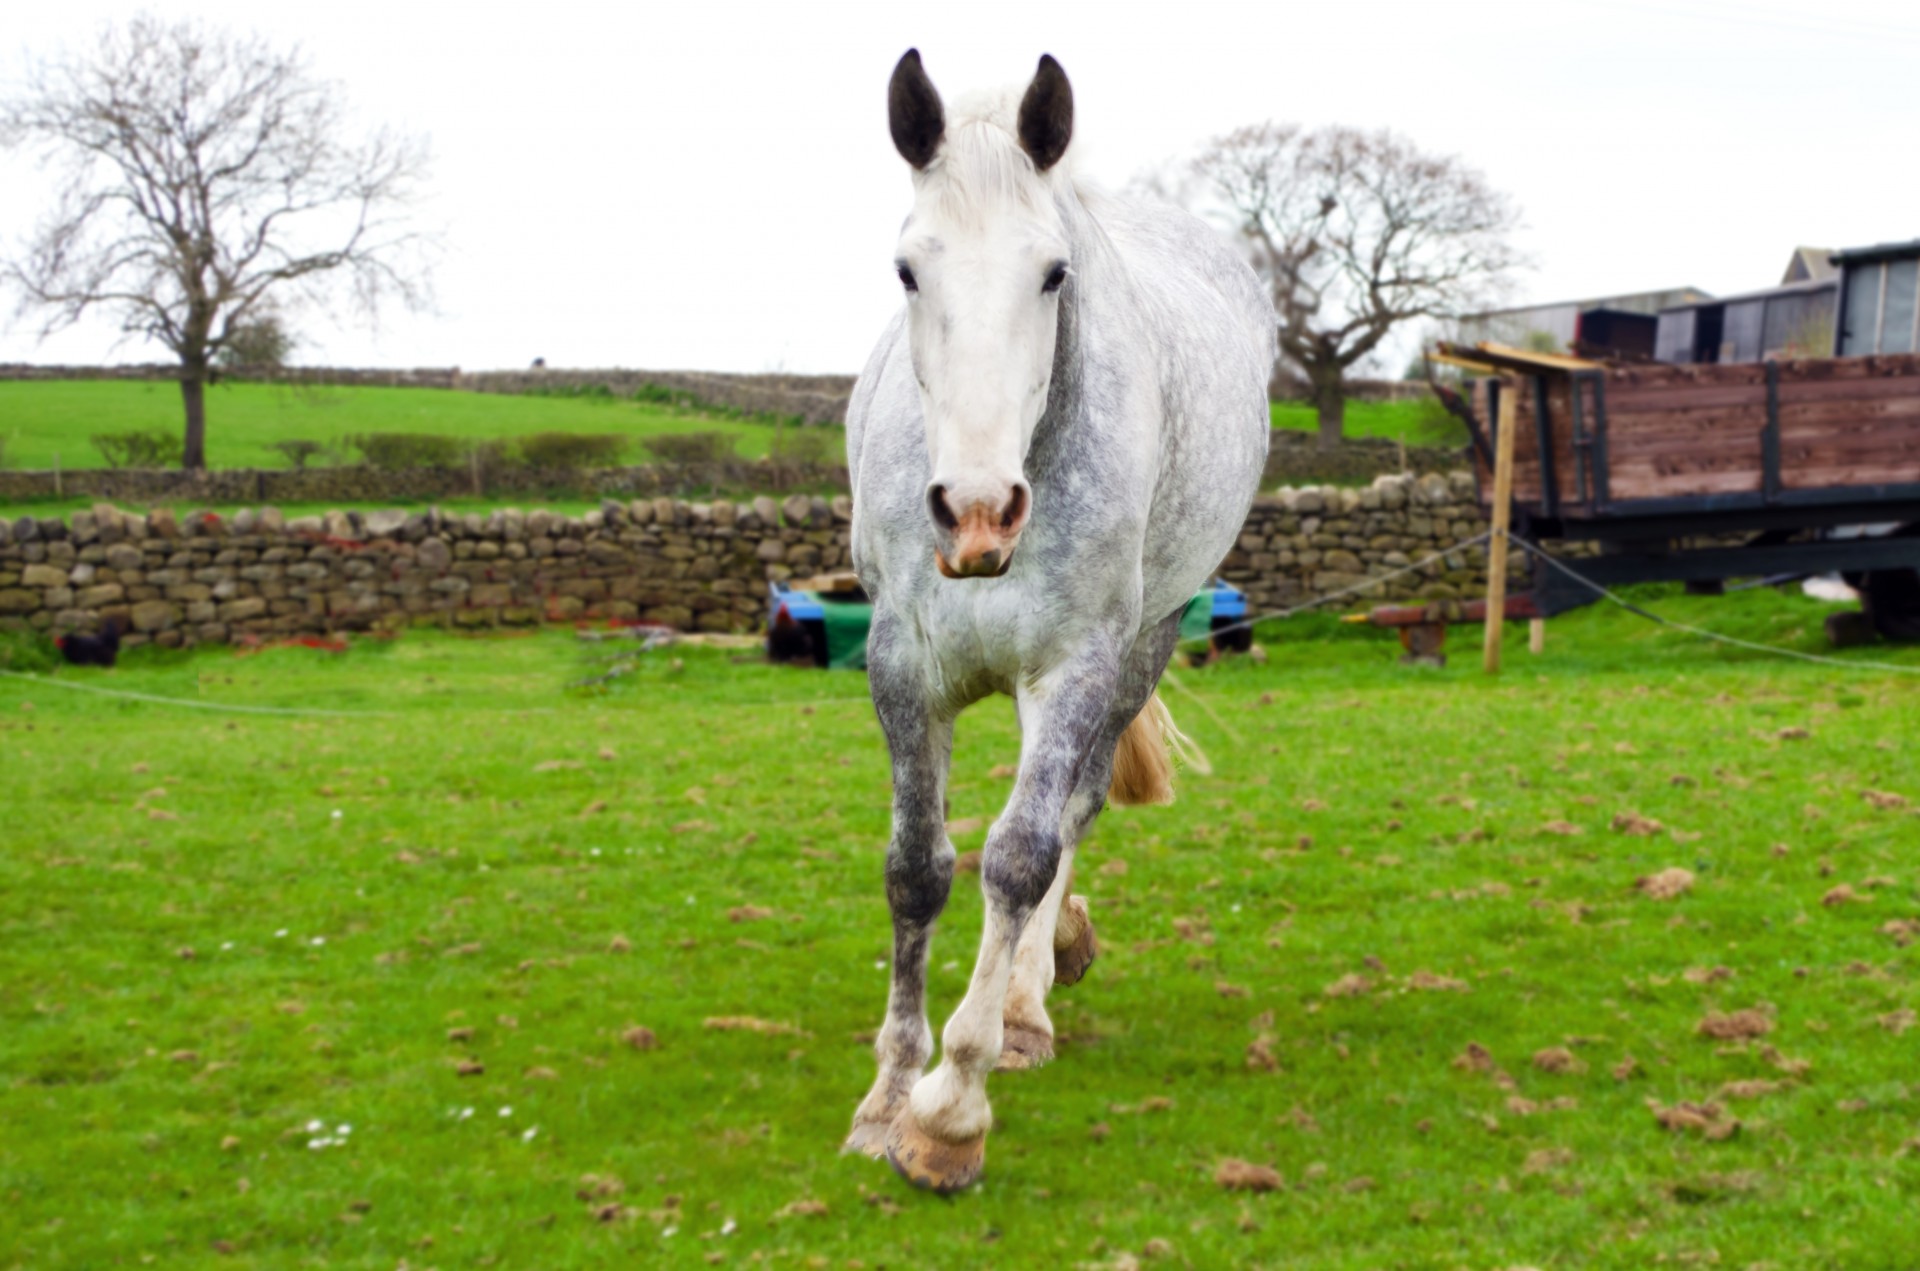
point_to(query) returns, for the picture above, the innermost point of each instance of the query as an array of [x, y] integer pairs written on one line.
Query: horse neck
[[1099, 276]]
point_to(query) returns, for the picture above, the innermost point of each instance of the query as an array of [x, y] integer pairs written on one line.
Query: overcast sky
[[712, 186]]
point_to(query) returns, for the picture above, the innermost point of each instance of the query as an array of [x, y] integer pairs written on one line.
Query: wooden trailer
[[1778, 462]]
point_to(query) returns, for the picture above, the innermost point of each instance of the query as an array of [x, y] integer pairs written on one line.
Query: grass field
[[42, 420], [246, 959], [1416, 422], [39, 420]]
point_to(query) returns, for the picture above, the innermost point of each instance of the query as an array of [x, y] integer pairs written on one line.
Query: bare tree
[[1356, 233], [204, 177]]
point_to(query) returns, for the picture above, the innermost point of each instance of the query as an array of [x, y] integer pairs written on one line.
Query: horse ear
[[914, 112], [1046, 114]]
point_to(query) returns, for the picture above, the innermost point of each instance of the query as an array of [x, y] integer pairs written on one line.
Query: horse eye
[[1055, 276], [906, 278]]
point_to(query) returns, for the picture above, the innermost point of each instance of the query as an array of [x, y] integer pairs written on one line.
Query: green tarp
[[846, 625]]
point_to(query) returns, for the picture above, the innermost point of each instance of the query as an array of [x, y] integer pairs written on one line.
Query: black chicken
[[92, 650]]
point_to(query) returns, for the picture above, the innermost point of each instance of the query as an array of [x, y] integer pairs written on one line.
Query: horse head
[[983, 257]]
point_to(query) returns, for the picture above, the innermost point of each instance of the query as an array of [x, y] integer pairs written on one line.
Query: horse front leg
[[939, 1139], [919, 873], [1058, 944]]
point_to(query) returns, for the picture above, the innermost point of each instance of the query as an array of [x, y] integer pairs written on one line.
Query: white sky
[[711, 185]]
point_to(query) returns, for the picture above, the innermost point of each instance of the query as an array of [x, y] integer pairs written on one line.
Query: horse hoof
[[1074, 945], [868, 1138], [1023, 1048], [926, 1162]]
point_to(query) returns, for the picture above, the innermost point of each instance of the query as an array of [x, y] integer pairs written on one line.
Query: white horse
[[1051, 447]]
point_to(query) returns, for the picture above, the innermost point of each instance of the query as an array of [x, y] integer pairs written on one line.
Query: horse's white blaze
[[986, 259]]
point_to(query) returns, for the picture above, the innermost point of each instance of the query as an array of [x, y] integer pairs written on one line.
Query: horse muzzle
[[978, 540]]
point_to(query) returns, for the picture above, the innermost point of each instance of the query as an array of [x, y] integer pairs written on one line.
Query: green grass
[[216, 929], [42, 419], [1412, 420]]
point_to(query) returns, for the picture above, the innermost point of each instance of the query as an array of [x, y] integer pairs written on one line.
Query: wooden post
[[1537, 636], [1508, 422]]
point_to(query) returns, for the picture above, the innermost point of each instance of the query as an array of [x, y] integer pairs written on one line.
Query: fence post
[[58, 493], [1508, 418]]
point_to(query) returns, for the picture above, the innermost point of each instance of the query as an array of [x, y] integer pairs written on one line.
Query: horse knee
[[1017, 871], [918, 883]]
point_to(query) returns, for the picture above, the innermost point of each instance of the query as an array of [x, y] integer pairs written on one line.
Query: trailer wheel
[[1891, 597]]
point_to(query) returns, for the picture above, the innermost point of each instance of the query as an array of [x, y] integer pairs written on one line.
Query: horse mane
[[981, 166]]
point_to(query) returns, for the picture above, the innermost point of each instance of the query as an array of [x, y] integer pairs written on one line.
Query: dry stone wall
[[361, 484], [199, 578]]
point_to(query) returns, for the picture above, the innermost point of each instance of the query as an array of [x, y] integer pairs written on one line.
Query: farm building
[[1874, 287], [1795, 320], [1878, 290], [1625, 322]]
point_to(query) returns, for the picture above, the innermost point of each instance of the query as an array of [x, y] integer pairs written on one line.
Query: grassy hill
[[45, 422], [39, 420]]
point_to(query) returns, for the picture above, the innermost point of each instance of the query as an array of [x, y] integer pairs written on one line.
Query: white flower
[[668, 1232], [465, 1113], [314, 1127], [336, 814], [506, 1112], [596, 851], [319, 940], [226, 944], [728, 1227], [344, 1130], [526, 1136], [880, 964], [280, 934]]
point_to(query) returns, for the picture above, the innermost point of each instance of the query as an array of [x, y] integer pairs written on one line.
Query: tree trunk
[[193, 394], [1330, 399]]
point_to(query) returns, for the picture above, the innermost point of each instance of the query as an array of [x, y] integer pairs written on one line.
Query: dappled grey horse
[[1052, 445]]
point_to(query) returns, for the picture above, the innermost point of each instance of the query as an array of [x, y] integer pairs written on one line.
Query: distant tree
[[262, 342], [1356, 233], [204, 174]]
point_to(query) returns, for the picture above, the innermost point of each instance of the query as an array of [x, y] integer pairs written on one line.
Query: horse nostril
[[1016, 508], [937, 504]]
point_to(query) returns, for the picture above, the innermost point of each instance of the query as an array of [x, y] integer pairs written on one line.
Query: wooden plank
[[1797, 370], [1502, 519]]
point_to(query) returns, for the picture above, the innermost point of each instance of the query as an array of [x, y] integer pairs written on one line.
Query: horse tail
[[1143, 760]]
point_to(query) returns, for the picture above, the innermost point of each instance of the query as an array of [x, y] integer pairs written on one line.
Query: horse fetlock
[[876, 1113], [1026, 1035], [1074, 944], [951, 1105]]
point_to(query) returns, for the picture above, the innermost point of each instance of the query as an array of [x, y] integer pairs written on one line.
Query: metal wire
[[1702, 632], [1372, 581]]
